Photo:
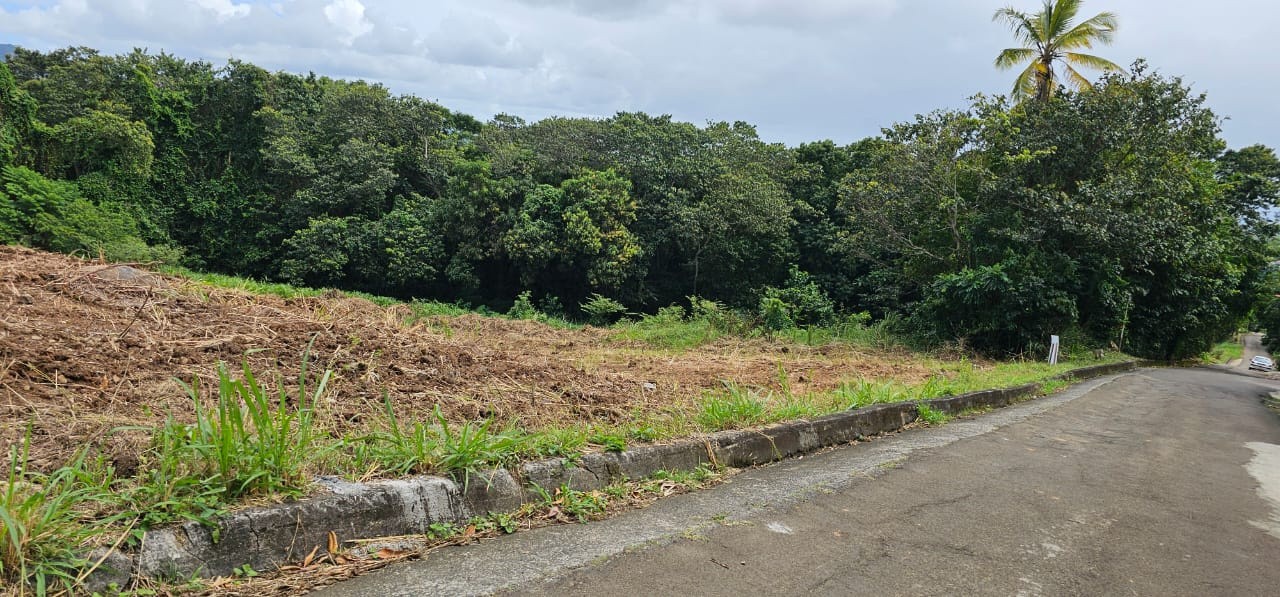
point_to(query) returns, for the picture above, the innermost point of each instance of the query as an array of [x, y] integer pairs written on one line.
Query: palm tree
[[1049, 37]]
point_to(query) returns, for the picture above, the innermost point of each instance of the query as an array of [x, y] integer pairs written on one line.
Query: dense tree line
[[1113, 215]]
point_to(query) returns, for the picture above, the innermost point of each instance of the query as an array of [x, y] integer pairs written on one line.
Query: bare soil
[[89, 348]]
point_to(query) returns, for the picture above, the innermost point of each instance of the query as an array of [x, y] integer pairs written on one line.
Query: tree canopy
[[1111, 216]]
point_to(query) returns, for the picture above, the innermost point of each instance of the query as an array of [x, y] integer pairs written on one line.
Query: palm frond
[[1101, 30], [1058, 16], [1090, 61], [1025, 85], [1077, 80], [1011, 57], [1023, 26]]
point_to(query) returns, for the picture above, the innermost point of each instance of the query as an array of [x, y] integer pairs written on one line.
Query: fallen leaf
[[389, 554], [311, 557], [333, 542]]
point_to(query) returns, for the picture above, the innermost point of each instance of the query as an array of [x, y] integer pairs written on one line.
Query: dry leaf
[[389, 554], [470, 532], [311, 557], [333, 542]]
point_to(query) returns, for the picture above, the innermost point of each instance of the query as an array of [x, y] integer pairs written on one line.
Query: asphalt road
[[1252, 348], [1159, 482]]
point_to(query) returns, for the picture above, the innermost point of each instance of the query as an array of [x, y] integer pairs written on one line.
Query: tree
[[1049, 37]]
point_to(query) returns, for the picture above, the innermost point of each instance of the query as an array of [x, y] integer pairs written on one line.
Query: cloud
[[348, 17], [469, 39], [791, 14], [224, 9], [800, 14], [607, 9]]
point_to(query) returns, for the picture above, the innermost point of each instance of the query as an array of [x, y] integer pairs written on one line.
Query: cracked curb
[[268, 537]]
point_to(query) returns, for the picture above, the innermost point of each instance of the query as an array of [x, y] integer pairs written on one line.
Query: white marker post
[[1053, 350]]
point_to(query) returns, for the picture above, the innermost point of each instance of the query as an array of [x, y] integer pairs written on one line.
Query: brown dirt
[[87, 348]]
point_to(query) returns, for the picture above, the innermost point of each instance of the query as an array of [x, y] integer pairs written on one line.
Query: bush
[[523, 307], [602, 310], [53, 215], [806, 303]]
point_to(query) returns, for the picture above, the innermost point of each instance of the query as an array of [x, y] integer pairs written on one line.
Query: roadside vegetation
[[245, 435], [423, 292], [1224, 352]]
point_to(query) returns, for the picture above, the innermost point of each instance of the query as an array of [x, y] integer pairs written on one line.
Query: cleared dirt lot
[[87, 348]]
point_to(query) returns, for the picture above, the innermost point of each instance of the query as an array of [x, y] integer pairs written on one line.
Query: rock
[[116, 569]]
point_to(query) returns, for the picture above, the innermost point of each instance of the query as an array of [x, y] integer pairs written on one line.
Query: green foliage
[[467, 449], [800, 303], [251, 443], [736, 407], [42, 532], [1114, 212], [523, 307], [610, 442], [775, 314], [17, 117], [930, 415], [602, 310], [52, 215]]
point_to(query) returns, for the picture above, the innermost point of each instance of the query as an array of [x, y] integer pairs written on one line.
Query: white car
[[1261, 363]]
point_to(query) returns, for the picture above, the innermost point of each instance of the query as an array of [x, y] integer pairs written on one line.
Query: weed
[[1053, 386], [41, 531], [602, 310], [554, 443], [931, 416], [442, 530], [858, 394], [610, 442], [583, 505], [467, 448], [737, 407], [472, 446], [249, 442]]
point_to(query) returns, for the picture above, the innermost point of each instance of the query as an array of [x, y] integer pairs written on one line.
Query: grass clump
[[440, 447], [250, 442], [43, 531], [930, 415], [735, 407]]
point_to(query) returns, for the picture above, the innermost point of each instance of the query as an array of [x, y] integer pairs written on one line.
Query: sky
[[800, 70]]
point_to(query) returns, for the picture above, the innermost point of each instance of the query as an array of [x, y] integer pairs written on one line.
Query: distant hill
[[6, 49]]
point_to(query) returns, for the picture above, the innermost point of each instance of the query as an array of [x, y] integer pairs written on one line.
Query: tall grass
[[736, 407], [42, 531], [420, 447], [249, 442]]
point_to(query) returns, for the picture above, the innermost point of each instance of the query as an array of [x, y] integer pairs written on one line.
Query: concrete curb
[[268, 537]]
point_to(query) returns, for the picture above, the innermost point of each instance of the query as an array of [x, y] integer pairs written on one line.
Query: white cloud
[[225, 9], [469, 39], [348, 17]]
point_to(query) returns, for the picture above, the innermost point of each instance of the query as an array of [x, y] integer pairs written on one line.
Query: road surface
[[1158, 482]]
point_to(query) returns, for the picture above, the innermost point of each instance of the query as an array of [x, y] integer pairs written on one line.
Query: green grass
[[931, 416], [440, 447], [43, 527], [732, 408], [1224, 352], [250, 442]]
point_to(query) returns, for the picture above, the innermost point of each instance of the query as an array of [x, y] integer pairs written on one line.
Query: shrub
[[523, 307], [602, 310]]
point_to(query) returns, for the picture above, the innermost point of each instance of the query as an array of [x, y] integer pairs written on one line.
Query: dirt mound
[[88, 348]]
